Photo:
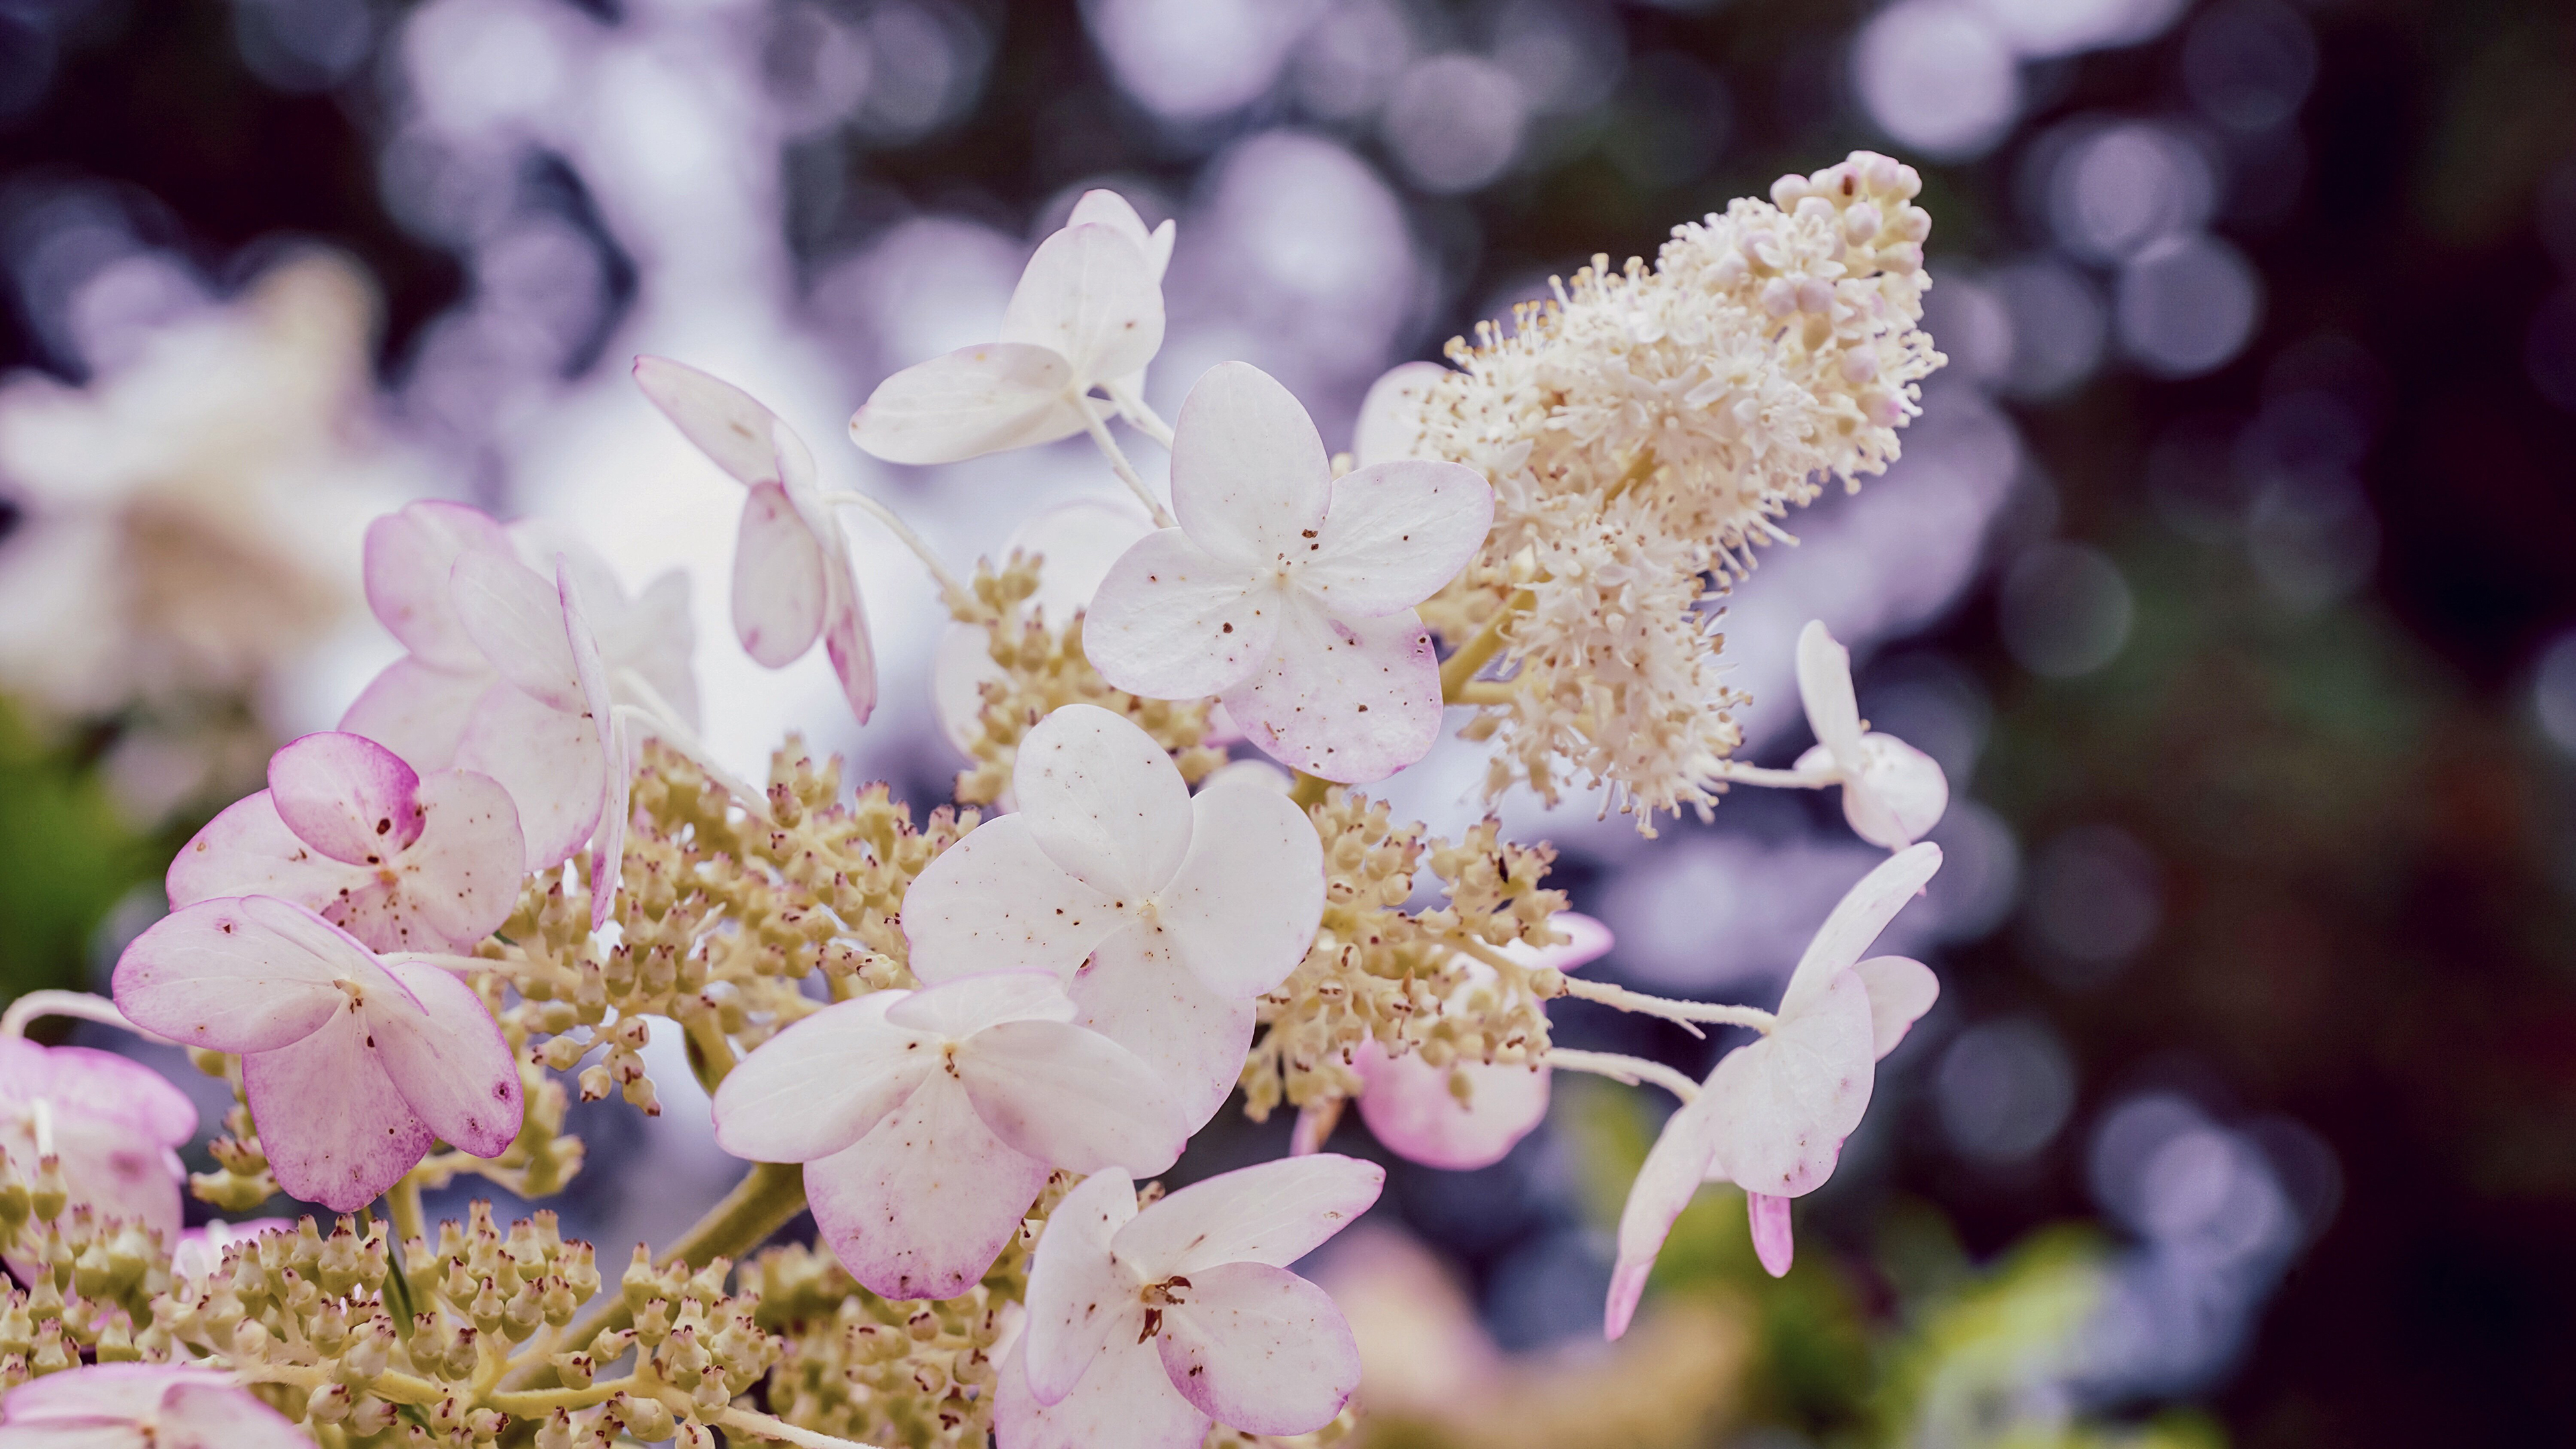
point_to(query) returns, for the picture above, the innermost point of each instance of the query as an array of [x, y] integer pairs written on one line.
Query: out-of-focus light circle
[[1350, 60], [2553, 692], [1190, 59], [2247, 64], [303, 45], [1303, 246], [1455, 122], [815, 69], [2065, 610], [1567, 57], [2093, 903], [1974, 325], [2058, 327], [2121, 187], [1936, 76], [2187, 305], [2314, 539], [930, 285], [2038, 28], [483, 63], [1980, 869], [2004, 1089]]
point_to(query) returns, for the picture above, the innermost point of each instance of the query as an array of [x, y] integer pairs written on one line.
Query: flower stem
[[1777, 779], [657, 715], [1308, 791], [959, 598], [1684, 1012], [1476, 653], [75, 1005], [750, 1421], [1125, 470], [1143, 417], [1617, 1068], [402, 1204], [1639, 470]]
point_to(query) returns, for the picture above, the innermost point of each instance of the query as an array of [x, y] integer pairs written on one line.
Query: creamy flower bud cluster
[[90, 1279]]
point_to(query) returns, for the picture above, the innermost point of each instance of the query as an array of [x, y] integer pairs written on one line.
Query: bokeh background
[[2227, 573]]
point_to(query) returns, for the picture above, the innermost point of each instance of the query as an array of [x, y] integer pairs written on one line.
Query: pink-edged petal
[[1856, 920], [1786, 1102], [657, 638], [112, 1165], [1684, 1156], [574, 605], [1410, 1107], [515, 616], [1124, 1398], [197, 1252], [1173, 621], [779, 587], [920, 1206], [247, 850], [221, 1416], [977, 400], [1825, 688], [1390, 422], [1586, 940], [823, 1084], [1249, 477], [1103, 801], [1351, 700], [1259, 1349], [608, 840], [409, 556], [73, 1433], [846, 640], [461, 877], [125, 1391], [959, 1008], [1899, 794], [1081, 1303], [1108, 208], [1773, 1243], [1089, 295], [249, 974], [419, 711], [98, 1084], [447, 1057], [346, 796], [727, 424], [336, 1129], [1397, 534], [993, 901], [1243, 906], [1071, 1097], [550, 762], [1273, 1212], [1136, 993], [1900, 991]]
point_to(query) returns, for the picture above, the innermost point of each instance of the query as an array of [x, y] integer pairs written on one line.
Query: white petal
[[220, 1416], [1243, 907], [993, 901], [727, 424], [1412, 1112], [616, 812], [336, 1129], [516, 618], [1109, 209], [241, 975], [1352, 700], [1899, 795], [822, 1084], [1786, 1103], [778, 580], [247, 850], [1071, 1097], [1077, 543], [845, 636], [346, 796], [409, 556], [453, 887], [1103, 801], [1390, 422], [418, 711], [1136, 993], [922, 1204], [1274, 1212], [98, 1085], [99, 1391], [550, 762], [960, 1008], [1173, 621], [1090, 296], [1397, 534], [1900, 991], [976, 400], [1260, 1349], [1856, 920], [1825, 687], [447, 1057], [1123, 1399], [1683, 1156], [1249, 477], [1080, 1301], [656, 638]]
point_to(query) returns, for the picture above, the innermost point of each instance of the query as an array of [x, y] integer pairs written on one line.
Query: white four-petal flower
[[1166, 914], [1287, 591], [1146, 1326], [928, 1120], [1772, 1116], [1893, 793]]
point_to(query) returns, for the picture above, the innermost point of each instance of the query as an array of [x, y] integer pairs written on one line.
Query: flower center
[[1159, 1296]]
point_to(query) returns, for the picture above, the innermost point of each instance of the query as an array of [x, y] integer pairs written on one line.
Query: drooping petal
[[250, 974], [1124, 1397], [779, 588], [419, 711], [1249, 477], [336, 1129], [1825, 688], [1260, 1349], [447, 1057], [846, 640], [99, 1392], [221, 1416], [550, 762], [1899, 794], [1900, 991], [1397, 534], [1108, 208], [247, 850], [1684, 1156], [1089, 295], [1071, 1097], [1138, 995], [1786, 1102], [1080, 1301], [1856, 920], [608, 839], [1410, 1107], [823, 1084], [515, 616], [98, 1084], [71, 1433], [1274, 1212], [409, 556], [727, 424], [977, 400], [1243, 906], [1350, 700], [1390, 422], [1173, 621], [346, 796], [921, 1205], [1103, 801], [994, 901], [1773, 1242]]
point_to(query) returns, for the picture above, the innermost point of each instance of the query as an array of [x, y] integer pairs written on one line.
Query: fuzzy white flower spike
[[1893, 793]]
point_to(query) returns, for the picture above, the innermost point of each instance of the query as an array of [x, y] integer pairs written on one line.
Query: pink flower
[[1893, 793], [1165, 914], [109, 1122], [142, 1406], [1410, 1106], [1145, 1327], [400, 861], [928, 1120], [792, 581], [1288, 592], [1772, 1116], [354, 1062]]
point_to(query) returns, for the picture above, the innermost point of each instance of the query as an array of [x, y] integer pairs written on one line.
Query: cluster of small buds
[[915, 1372], [696, 1346], [1376, 973], [301, 1317], [1043, 669], [90, 1279], [241, 1180]]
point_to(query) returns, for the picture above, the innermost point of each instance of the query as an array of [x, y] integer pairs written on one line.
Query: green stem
[[1476, 653], [1309, 790]]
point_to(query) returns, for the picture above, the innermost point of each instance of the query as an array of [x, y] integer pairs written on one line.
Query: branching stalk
[[1125, 470], [1627, 1069]]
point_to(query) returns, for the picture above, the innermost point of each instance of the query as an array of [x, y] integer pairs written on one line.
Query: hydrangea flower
[[109, 1122], [353, 1062], [1165, 914], [1772, 1116], [1145, 1327], [402, 861], [142, 1406], [928, 1120], [1893, 793], [1413, 1108], [1088, 312], [792, 580], [1289, 593]]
